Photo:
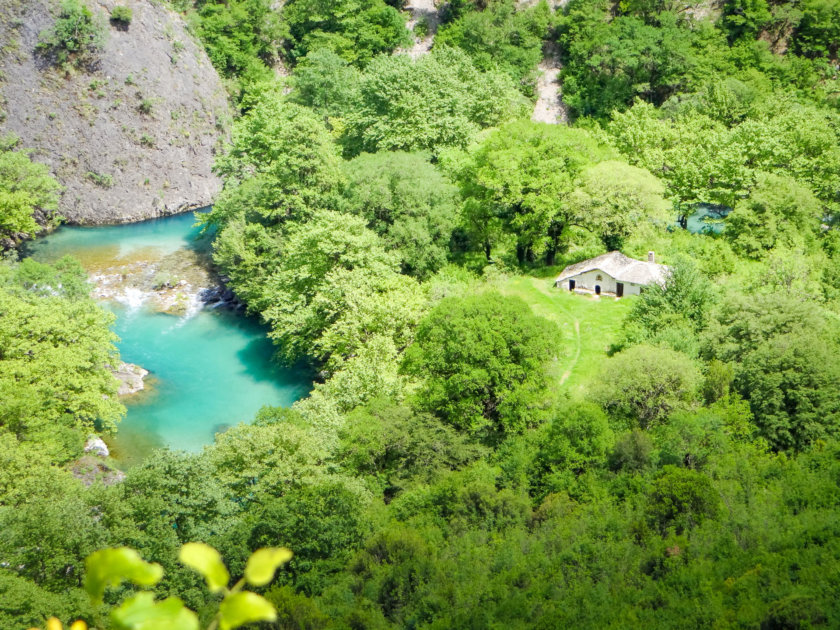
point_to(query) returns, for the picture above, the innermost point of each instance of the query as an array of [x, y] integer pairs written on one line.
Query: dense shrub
[[76, 38]]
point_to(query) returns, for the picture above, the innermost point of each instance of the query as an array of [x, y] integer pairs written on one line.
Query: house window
[[599, 278]]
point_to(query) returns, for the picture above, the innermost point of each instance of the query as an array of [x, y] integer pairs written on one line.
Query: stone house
[[612, 274]]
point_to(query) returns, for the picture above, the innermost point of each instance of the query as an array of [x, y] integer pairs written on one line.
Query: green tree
[[691, 153], [440, 100], [242, 38], [779, 212], [484, 362], [611, 62], [745, 18], [290, 153], [325, 82], [395, 445], [519, 180], [27, 192], [684, 300], [56, 354], [408, 202], [644, 384], [334, 288], [682, 499], [614, 198], [784, 352], [357, 30], [501, 37], [280, 167], [76, 37]]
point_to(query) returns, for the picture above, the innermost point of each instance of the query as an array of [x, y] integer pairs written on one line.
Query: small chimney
[[651, 257]]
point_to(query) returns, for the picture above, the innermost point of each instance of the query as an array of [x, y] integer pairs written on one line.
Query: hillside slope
[[133, 139]]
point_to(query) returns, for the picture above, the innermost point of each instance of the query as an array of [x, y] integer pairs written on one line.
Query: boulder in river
[[131, 378], [96, 446]]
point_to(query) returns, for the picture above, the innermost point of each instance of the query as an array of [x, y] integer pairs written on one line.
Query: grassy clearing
[[589, 327]]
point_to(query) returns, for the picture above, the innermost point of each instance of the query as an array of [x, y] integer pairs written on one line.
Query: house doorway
[[597, 289], [619, 289], [571, 285]]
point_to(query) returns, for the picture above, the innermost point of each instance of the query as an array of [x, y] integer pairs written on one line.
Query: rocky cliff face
[[134, 139]]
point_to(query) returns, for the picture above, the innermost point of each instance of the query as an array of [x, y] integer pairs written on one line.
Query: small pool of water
[[209, 368], [707, 219]]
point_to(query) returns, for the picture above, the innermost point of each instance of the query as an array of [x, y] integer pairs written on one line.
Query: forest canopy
[[481, 448]]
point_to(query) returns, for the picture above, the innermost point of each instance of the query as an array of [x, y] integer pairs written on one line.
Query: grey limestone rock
[[131, 378], [132, 140]]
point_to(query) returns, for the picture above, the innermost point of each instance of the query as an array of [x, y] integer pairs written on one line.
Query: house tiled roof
[[621, 267]]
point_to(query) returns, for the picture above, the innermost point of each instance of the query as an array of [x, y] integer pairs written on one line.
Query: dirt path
[[422, 10], [550, 107]]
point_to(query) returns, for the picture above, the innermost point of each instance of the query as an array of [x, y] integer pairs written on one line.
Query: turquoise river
[[210, 368]]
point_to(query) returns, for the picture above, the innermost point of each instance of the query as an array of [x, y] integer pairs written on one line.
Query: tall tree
[[483, 361], [522, 176]]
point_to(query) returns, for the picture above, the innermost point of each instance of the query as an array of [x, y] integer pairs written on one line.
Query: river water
[[210, 367]]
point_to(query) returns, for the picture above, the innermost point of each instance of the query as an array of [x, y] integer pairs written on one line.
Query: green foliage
[[356, 30], [644, 384], [326, 519], [77, 37], [121, 16], [784, 352], [55, 370], [396, 445], [408, 202], [241, 38], [26, 189], [779, 212], [681, 303], [682, 499], [109, 567], [818, 28], [518, 181], [579, 438], [745, 18], [609, 63], [142, 611], [614, 199], [501, 37], [440, 100], [484, 362], [334, 288], [325, 82]]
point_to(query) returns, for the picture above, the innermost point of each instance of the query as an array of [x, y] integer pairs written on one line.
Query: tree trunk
[[487, 250]]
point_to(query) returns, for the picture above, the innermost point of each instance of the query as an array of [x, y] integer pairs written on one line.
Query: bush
[[121, 17], [77, 37]]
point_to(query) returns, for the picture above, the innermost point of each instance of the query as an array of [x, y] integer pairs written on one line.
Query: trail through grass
[[588, 325]]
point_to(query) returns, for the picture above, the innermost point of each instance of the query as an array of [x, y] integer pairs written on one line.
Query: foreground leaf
[[109, 567], [241, 608], [263, 563], [207, 561], [142, 612]]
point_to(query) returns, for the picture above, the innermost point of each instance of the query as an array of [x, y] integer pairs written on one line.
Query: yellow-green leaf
[[207, 561], [109, 567], [246, 607], [142, 612], [263, 563]]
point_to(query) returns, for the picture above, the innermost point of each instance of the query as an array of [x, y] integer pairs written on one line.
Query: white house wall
[[589, 279]]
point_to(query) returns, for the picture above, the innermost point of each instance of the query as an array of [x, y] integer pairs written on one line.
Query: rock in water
[[132, 139], [96, 446], [131, 378]]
